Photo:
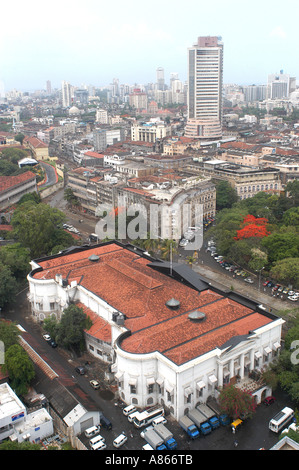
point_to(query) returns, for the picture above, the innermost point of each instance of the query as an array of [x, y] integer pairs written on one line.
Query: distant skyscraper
[[49, 87], [66, 94], [160, 79], [280, 85], [205, 88]]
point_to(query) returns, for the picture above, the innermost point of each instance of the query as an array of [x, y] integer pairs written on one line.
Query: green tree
[[168, 247], [286, 271], [8, 285], [70, 331], [9, 334], [17, 259], [9, 445], [226, 195], [281, 245], [20, 369], [36, 226]]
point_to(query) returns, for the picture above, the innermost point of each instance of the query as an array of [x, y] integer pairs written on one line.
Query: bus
[[147, 416], [281, 419]]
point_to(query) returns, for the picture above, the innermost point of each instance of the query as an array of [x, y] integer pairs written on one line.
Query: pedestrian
[[236, 443], [233, 429]]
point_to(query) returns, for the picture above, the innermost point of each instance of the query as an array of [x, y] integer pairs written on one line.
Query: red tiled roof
[[7, 182], [124, 280]]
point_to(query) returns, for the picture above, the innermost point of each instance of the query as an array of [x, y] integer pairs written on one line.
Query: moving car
[[80, 370]]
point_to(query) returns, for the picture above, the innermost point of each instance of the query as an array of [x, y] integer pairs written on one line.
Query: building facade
[[205, 84], [170, 337]]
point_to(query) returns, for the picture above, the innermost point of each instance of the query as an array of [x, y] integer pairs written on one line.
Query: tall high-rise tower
[[205, 84], [66, 94], [160, 79]]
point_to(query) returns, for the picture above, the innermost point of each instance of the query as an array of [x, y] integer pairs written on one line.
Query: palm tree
[[166, 247]]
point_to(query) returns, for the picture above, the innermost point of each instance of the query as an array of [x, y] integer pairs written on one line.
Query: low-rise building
[[12, 188], [18, 425], [170, 336]]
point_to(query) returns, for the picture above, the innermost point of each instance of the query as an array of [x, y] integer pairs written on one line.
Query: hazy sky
[[93, 41]]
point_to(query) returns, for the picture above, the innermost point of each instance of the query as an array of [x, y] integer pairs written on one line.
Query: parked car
[[53, 343], [280, 289], [269, 400], [105, 422], [95, 384], [47, 338], [285, 290], [270, 284], [266, 283], [80, 370], [293, 298], [249, 280], [120, 440]]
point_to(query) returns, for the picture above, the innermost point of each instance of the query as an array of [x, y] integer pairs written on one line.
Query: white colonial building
[[169, 336]]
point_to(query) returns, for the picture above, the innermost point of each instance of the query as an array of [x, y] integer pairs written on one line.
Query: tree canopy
[[38, 227]]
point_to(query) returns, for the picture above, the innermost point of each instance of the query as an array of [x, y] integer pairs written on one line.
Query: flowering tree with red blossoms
[[253, 227], [235, 402]]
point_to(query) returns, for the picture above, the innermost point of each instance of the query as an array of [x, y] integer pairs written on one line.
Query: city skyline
[[96, 42]]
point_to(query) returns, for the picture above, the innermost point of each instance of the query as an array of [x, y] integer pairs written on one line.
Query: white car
[[293, 298], [249, 280], [184, 242], [47, 337], [120, 440]]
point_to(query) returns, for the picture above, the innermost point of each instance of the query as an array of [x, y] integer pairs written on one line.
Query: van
[[105, 422], [147, 447], [159, 420], [99, 446], [132, 416], [120, 440], [96, 439], [129, 409], [90, 432]]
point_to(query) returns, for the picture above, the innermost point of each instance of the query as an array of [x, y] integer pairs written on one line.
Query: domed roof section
[[74, 110]]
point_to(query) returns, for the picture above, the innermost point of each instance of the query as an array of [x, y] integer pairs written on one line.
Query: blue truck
[[189, 427], [200, 421], [223, 418], [209, 415], [166, 435]]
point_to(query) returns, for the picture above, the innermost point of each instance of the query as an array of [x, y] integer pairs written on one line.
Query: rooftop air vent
[[196, 316], [94, 258], [173, 303]]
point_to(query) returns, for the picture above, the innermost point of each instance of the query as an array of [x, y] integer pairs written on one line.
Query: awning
[[170, 389], [213, 379], [150, 381], [119, 376], [188, 391], [200, 385], [267, 350], [160, 381], [258, 355], [132, 381], [276, 345]]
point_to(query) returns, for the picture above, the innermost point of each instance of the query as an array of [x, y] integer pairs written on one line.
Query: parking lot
[[252, 435]]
